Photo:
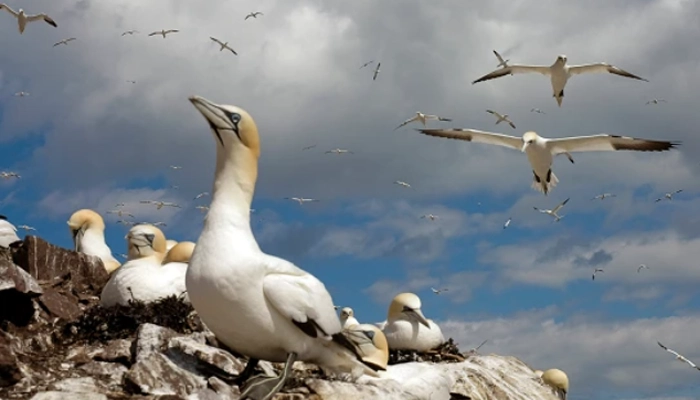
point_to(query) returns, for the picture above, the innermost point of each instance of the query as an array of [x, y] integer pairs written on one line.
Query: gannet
[[376, 71], [119, 205], [160, 204], [21, 94], [202, 208], [64, 41], [407, 328], [23, 18], [124, 256], [143, 277], [169, 244], [559, 73], [339, 151], [179, 252], [88, 231], [500, 118], [595, 271], [254, 14], [422, 118], [370, 342], [130, 81], [438, 291], [8, 175], [553, 212], [131, 32], [643, 266], [655, 101], [367, 63], [537, 110], [539, 373], [163, 32], [223, 45], [668, 196], [557, 380], [125, 222], [175, 167], [430, 216], [26, 228], [174, 187], [541, 151], [402, 183], [282, 312], [507, 223], [476, 349], [120, 213], [199, 196], [501, 62], [603, 196], [679, 357], [300, 200], [308, 147], [8, 232], [347, 317]]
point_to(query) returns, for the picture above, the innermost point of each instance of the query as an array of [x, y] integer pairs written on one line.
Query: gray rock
[[151, 339], [111, 373], [118, 350], [200, 353], [78, 385], [10, 370], [13, 277], [224, 390], [206, 394], [53, 395], [156, 374]]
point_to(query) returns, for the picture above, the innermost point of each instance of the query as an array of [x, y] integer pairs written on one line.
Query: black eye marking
[[369, 334], [150, 237]]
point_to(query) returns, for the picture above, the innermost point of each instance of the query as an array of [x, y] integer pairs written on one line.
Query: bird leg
[[263, 387]]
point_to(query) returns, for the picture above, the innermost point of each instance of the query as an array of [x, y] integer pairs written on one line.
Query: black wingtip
[[2, 217]]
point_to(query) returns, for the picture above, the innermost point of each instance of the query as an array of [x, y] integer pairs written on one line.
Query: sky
[[84, 137]]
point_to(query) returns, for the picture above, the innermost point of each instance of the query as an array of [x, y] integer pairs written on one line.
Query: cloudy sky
[[85, 137]]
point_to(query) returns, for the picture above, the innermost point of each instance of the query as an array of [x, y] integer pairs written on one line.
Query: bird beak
[[215, 116], [416, 314], [524, 147]]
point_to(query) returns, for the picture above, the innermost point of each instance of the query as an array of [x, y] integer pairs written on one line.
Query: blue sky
[[84, 137]]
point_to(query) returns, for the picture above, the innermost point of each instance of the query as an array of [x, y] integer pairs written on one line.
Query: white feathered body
[[402, 334], [92, 242], [148, 280], [8, 233]]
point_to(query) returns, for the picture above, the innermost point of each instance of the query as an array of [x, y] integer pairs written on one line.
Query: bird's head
[[407, 305], [529, 138], [181, 252], [145, 240], [561, 58], [346, 313], [371, 344], [82, 220]]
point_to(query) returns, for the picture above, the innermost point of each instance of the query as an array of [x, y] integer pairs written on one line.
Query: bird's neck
[[234, 186]]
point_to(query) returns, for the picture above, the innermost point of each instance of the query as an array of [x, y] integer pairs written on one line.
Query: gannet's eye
[[369, 334], [234, 117], [150, 237]]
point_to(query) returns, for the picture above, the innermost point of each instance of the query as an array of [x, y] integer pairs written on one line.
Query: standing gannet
[[23, 18], [144, 277], [88, 231], [422, 118], [407, 328], [554, 212], [559, 73], [557, 380], [8, 232], [223, 45], [541, 151], [256, 304], [163, 32], [347, 317], [169, 244], [501, 118], [254, 14], [370, 342], [501, 62]]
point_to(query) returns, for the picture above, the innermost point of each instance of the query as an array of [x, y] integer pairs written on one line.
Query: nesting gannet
[[120, 213], [430, 216], [402, 183], [199, 196], [595, 271], [501, 117], [603, 196], [370, 342], [26, 228], [23, 18], [163, 32], [202, 208], [254, 14], [668, 196], [8, 175], [537, 110], [64, 41], [679, 357], [130, 32], [300, 200], [559, 73], [88, 231], [541, 151], [507, 223], [557, 380], [175, 167], [366, 64], [282, 312], [308, 147], [339, 151], [169, 244], [501, 62], [143, 277], [553, 212], [438, 291], [422, 118], [160, 204], [376, 71], [179, 252], [641, 267], [8, 232], [655, 101], [223, 45], [347, 317], [407, 328]]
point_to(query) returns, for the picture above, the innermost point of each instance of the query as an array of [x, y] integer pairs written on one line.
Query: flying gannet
[[130, 32], [254, 14], [130, 81], [507, 223], [407, 328], [376, 72], [422, 118], [553, 212], [8, 232], [339, 151], [655, 101], [679, 357], [347, 317], [300, 200], [125, 222], [501, 118], [9, 174], [501, 62], [64, 41], [603, 196], [163, 32], [199, 196], [430, 216], [668, 196], [402, 183], [23, 18], [223, 45], [26, 228], [21, 94], [308, 147], [537, 110], [160, 204], [438, 291], [120, 213], [559, 73], [202, 208], [282, 313], [370, 342], [87, 229], [367, 63], [641, 267], [476, 349], [175, 167], [144, 277], [541, 151], [557, 380], [595, 271]]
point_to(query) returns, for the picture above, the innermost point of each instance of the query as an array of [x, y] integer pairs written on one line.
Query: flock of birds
[[267, 308]]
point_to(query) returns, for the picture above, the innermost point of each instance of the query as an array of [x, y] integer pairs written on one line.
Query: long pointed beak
[[417, 315], [524, 147], [215, 117]]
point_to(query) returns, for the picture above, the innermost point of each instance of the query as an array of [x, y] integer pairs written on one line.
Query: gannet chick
[[407, 328], [557, 380], [371, 343], [180, 252], [88, 231], [23, 18], [347, 317], [281, 312], [169, 244], [144, 277], [8, 232]]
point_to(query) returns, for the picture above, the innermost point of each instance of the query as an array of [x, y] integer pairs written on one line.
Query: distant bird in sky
[[603, 196], [158, 223], [430, 216], [641, 267], [131, 81], [26, 228], [9, 174], [300, 200], [308, 147], [507, 223], [475, 349], [223, 45], [655, 101], [21, 94], [126, 223], [121, 213], [501, 118], [160, 204], [131, 32], [595, 271], [23, 19], [339, 151], [164, 32], [199, 196], [554, 212], [174, 187], [679, 357], [202, 208], [367, 63], [402, 183], [175, 167], [668, 196], [254, 14], [124, 256], [537, 110], [501, 62], [559, 73], [540, 150], [376, 72], [422, 118], [118, 205], [438, 291], [64, 41]]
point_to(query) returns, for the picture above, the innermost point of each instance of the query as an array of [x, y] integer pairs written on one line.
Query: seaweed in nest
[[446, 352], [100, 324]]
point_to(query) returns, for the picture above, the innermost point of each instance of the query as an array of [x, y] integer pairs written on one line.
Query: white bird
[[371, 344], [595, 271], [163, 32], [559, 73], [541, 151], [131, 81], [87, 229], [438, 291], [120, 213], [655, 101], [64, 41], [8, 232], [339, 151], [554, 212], [475, 349], [641, 267], [678, 356], [21, 94], [501, 62], [130, 32], [507, 223], [402, 183], [537, 110], [199, 196], [300, 200], [376, 72], [407, 328], [174, 187], [23, 18], [9, 174], [430, 216], [422, 118], [308, 147], [119, 205], [160, 204], [367, 63], [175, 167], [668, 196], [26, 228], [124, 256], [501, 118], [347, 317], [202, 208], [282, 312], [223, 45], [254, 14], [125, 222], [603, 196]]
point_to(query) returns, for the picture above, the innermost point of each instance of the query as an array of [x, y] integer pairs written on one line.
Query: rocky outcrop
[[57, 343]]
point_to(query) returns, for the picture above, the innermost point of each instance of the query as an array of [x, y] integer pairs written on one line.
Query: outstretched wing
[[514, 69], [473, 135], [559, 207], [602, 68], [605, 142]]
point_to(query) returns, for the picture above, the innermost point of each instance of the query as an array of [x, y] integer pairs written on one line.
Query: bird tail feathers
[[542, 186]]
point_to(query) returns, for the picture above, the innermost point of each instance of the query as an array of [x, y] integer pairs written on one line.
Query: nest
[[446, 352]]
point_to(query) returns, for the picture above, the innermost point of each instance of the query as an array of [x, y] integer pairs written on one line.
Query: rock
[[118, 350], [206, 356], [68, 396], [111, 373], [13, 277], [151, 339], [225, 391], [18, 288], [10, 372], [157, 374], [78, 385], [64, 306]]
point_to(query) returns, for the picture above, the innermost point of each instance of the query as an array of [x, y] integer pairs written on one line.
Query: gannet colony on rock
[[87, 229], [406, 328]]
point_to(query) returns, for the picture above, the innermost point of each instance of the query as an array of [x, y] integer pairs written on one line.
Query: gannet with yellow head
[[87, 229], [558, 381], [406, 327], [181, 252], [371, 343], [169, 244]]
